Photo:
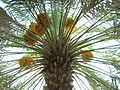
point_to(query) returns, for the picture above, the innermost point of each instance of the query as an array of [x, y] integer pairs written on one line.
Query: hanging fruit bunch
[[44, 20], [34, 27], [69, 24], [29, 38], [37, 28], [26, 62], [87, 56]]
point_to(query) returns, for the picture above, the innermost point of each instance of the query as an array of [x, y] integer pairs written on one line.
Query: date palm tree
[[64, 43]]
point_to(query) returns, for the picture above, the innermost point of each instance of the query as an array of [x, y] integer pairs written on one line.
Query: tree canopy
[[60, 44]]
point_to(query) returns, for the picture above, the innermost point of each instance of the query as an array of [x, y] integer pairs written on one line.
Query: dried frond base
[[58, 76]]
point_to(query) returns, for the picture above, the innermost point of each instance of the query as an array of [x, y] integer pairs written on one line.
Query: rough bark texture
[[58, 76]]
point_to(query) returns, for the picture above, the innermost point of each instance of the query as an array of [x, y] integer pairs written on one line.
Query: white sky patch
[[2, 4], [13, 56]]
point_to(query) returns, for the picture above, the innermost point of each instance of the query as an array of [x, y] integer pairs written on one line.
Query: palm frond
[[56, 35]]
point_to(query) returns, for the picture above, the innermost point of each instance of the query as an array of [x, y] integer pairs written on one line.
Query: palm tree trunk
[[58, 75]]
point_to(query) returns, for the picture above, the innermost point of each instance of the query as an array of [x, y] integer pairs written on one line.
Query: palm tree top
[[60, 49]]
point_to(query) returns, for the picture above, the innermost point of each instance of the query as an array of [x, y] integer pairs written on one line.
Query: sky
[[1, 4]]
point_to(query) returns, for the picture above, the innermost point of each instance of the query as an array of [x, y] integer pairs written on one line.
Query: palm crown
[[59, 47]]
